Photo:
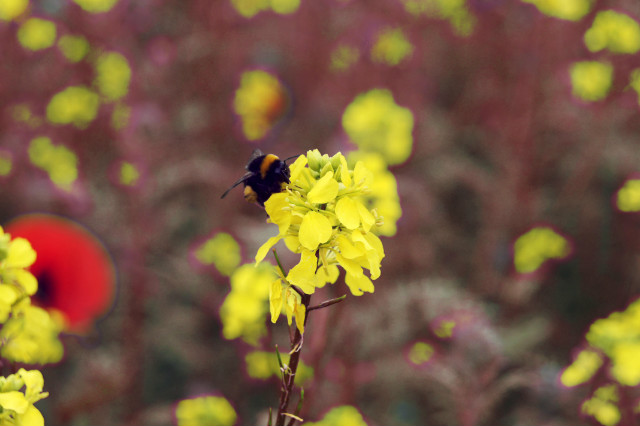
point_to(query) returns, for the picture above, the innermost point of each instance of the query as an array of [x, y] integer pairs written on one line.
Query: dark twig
[[327, 303]]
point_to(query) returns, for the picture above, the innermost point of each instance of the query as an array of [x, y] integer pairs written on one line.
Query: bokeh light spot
[[75, 105], [221, 250], [343, 57], [345, 415], [536, 246], [420, 353], [376, 123], [259, 101], [6, 163], [591, 80], [285, 7], [602, 405], [250, 8], [37, 34], [96, 6], [129, 174], [206, 410], [391, 47], [617, 32], [628, 197], [570, 10], [444, 329], [244, 309], [57, 160], [74, 48], [113, 75], [120, 116], [582, 369], [455, 11], [263, 365], [11, 9]]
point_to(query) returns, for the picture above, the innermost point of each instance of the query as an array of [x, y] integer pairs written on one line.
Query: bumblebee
[[266, 174]]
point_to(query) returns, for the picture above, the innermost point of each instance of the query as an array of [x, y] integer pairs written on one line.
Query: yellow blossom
[[16, 404], [322, 216]]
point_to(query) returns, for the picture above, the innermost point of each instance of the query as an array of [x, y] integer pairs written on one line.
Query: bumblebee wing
[[255, 154], [238, 182]]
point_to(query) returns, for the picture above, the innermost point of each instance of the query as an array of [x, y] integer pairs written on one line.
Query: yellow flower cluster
[[16, 403], [616, 338], [321, 216], [28, 333]]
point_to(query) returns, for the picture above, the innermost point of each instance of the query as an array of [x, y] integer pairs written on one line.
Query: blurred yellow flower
[[602, 405], [420, 353], [205, 410], [391, 47], [74, 48], [6, 163], [221, 250], [628, 197], [617, 32], [263, 365], [582, 369], [344, 415], [455, 11], [77, 105], [57, 160], [129, 174], [11, 9], [375, 123], [96, 6], [113, 75], [343, 57], [618, 336], [259, 101], [571, 10], [250, 8], [536, 246], [591, 80], [245, 307], [37, 34]]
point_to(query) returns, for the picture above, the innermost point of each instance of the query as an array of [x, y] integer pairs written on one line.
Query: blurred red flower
[[75, 273]]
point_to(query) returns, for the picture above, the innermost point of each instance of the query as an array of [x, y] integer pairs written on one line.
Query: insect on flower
[[266, 174]]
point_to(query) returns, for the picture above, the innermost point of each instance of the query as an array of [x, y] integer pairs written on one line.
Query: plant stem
[[289, 374]]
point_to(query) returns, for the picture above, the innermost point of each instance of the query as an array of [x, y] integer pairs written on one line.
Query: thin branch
[[327, 303]]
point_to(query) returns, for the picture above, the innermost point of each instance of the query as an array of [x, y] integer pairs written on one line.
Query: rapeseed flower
[[321, 215], [16, 404]]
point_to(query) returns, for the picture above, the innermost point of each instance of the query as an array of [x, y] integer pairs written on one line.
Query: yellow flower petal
[[275, 300], [26, 280], [31, 417], [264, 249], [303, 274], [348, 213], [325, 190], [358, 284], [20, 255], [345, 175], [366, 217], [278, 210], [315, 229], [14, 400], [361, 175], [347, 248], [300, 315]]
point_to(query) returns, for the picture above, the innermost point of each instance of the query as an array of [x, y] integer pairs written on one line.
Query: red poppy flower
[[74, 271]]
